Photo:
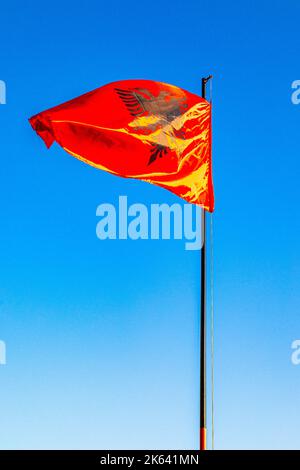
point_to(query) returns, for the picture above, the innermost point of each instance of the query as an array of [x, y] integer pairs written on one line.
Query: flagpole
[[203, 317]]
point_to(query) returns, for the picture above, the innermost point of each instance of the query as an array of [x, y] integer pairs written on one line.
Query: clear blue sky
[[102, 337]]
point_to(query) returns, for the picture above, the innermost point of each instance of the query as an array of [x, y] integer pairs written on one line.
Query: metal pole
[[203, 318]]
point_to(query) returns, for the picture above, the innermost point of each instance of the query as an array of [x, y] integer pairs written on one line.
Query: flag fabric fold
[[139, 129]]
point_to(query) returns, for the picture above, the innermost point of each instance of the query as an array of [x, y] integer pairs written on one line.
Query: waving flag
[[139, 129]]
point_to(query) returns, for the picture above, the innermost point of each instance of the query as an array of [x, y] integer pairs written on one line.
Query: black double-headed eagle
[[165, 108]]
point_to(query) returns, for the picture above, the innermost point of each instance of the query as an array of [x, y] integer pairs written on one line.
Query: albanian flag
[[138, 129]]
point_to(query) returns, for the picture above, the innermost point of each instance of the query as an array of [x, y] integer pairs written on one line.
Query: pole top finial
[[206, 79], [204, 82]]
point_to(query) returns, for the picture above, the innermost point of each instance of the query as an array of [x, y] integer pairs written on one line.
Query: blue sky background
[[102, 337]]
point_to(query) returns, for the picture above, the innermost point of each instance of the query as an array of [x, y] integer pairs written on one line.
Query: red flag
[[139, 129]]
